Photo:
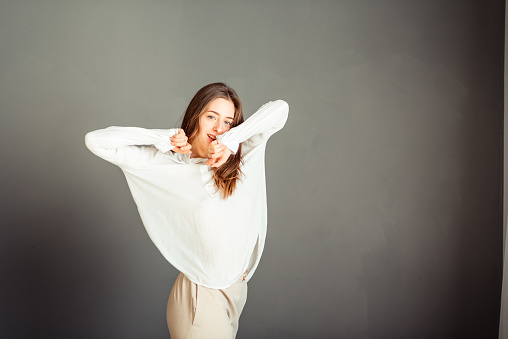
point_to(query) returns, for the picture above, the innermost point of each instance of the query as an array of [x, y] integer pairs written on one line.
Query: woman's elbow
[[90, 140], [283, 104]]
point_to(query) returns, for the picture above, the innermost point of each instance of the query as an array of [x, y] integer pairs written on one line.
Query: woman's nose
[[217, 126]]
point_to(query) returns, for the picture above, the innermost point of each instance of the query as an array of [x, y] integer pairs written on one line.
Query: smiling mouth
[[212, 137]]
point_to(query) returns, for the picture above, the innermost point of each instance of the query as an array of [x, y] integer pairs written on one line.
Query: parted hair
[[225, 176]]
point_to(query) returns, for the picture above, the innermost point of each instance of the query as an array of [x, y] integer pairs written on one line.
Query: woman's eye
[[211, 116], [228, 123]]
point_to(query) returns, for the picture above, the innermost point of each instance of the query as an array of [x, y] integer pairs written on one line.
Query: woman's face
[[215, 120]]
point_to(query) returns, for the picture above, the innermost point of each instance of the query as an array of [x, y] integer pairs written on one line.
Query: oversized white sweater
[[210, 240]]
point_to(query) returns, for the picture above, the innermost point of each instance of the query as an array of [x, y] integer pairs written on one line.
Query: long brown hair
[[225, 176]]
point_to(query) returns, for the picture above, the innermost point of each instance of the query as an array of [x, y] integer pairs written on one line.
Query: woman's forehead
[[221, 107]]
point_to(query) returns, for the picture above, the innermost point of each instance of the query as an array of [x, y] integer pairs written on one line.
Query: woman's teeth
[[212, 137]]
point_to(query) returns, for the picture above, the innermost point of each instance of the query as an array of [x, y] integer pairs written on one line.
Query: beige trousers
[[197, 312]]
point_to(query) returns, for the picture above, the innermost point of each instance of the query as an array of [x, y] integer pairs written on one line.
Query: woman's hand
[[180, 142], [218, 154]]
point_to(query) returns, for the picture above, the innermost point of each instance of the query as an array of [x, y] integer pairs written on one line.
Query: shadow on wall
[[53, 280], [432, 245]]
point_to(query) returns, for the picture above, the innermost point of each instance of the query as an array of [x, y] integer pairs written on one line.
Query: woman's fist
[[218, 154], [180, 142]]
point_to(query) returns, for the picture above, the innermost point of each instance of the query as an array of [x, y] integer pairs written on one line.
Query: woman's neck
[[198, 151]]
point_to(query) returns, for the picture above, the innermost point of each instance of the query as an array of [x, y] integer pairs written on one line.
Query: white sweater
[[210, 240]]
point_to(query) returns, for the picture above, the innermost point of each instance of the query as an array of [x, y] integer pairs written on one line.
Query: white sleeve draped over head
[[211, 240]]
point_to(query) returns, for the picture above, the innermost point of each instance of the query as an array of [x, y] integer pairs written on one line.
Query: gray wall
[[503, 326], [384, 188]]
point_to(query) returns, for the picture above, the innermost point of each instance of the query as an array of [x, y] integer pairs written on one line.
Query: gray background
[[503, 330], [384, 187]]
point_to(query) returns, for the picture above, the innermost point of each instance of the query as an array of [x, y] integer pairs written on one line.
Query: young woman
[[200, 191]]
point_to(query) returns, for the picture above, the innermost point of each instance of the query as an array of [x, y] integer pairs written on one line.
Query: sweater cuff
[[233, 146], [165, 144]]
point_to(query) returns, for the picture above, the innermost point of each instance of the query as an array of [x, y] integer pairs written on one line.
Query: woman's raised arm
[[129, 146], [267, 120]]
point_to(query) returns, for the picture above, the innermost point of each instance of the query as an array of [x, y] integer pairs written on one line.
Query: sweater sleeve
[[129, 146], [267, 120]]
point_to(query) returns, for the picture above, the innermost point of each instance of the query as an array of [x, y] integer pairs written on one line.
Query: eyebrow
[[219, 114]]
